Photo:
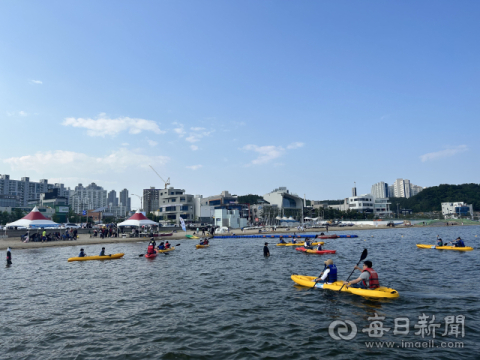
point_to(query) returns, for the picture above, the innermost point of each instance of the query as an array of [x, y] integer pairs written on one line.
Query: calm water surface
[[228, 302]]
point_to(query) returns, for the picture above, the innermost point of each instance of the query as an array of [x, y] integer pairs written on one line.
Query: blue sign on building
[[84, 212]]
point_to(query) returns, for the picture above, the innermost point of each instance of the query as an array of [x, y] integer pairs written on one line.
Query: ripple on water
[[228, 302]]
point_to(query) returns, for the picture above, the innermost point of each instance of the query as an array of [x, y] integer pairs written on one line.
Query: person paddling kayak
[[368, 279], [167, 245], [102, 253], [9, 256], [329, 273], [82, 253], [308, 244], [161, 246], [458, 242], [281, 240], [439, 241], [151, 248]]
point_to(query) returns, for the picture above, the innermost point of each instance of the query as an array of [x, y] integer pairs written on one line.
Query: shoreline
[[84, 239]]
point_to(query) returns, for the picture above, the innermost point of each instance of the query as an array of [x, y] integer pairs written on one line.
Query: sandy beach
[[85, 239]]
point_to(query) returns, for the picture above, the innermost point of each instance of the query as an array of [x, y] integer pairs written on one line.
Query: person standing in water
[[9, 256], [266, 252]]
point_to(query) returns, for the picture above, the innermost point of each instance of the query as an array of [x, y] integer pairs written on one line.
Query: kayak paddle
[[363, 257]]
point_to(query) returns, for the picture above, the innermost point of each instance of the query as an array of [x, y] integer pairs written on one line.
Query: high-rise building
[[88, 198], [380, 190], [125, 200], [26, 190], [112, 198], [404, 188]]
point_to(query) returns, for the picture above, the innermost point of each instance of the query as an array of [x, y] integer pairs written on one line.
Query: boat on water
[[96, 257]]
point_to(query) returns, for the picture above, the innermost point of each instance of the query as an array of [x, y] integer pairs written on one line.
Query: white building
[[170, 204], [87, 198], [366, 203], [229, 218], [455, 209], [284, 199]]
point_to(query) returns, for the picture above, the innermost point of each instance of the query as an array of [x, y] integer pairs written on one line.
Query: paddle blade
[[364, 255]]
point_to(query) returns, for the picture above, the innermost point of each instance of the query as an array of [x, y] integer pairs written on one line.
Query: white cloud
[[197, 128], [197, 136], [152, 143], [194, 147], [125, 144], [270, 152], [194, 167], [451, 151], [16, 113], [179, 130], [295, 145], [60, 162], [36, 82], [265, 153], [103, 125]]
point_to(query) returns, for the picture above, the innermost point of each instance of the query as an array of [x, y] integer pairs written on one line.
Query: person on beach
[[102, 253], [329, 273], [9, 256], [44, 236], [266, 252], [458, 242], [368, 279], [82, 253]]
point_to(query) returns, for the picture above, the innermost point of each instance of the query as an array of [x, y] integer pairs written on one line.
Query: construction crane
[[166, 182]]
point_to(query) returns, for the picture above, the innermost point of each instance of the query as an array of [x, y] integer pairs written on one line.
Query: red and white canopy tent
[[137, 219], [34, 220]]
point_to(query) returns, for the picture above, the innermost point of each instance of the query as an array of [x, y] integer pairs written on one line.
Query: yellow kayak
[[166, 250], [381, 292], [426, 246], [97, 257], [201, 246], [191, 237], [301, 244]]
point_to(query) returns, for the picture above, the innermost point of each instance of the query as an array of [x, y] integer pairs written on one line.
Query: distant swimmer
[[9, 256], [266, 252]]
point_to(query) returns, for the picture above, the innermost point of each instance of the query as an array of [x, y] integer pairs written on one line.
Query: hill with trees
[[430, 199]]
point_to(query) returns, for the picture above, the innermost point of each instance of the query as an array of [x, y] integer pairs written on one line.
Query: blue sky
[[242, 96]]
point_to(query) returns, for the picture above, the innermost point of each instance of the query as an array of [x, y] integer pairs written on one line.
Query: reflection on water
[[229, 302]]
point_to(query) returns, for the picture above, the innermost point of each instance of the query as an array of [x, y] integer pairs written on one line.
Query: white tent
[[137, 219], [34, 220]]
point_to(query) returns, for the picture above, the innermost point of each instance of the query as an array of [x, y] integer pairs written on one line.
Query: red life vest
[[150, 249], [373, 279]]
